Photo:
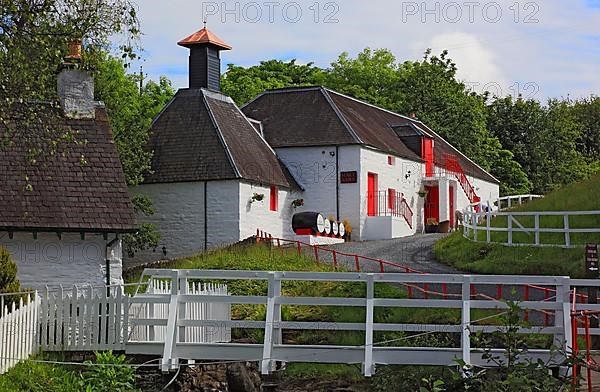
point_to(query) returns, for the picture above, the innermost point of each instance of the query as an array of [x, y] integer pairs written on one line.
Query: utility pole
[[141, 79]]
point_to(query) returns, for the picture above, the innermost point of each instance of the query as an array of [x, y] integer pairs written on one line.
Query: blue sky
[[541, 49]]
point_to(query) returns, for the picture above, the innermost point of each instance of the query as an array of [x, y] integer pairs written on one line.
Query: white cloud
[[555, 53], [478, 64]]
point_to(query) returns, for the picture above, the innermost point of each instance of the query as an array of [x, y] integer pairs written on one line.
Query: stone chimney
[[76, 87]]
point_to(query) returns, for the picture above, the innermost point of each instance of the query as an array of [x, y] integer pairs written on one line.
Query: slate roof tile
[[67, 195]]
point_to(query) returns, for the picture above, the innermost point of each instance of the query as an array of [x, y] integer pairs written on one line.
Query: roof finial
[[205, 23]]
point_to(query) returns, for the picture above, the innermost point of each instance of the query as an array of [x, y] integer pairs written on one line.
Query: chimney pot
[[74, 51]]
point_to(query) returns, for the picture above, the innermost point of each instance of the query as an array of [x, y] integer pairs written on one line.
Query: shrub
[[8, 275], [109, 372]]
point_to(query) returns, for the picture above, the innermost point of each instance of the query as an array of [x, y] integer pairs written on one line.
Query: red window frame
[[274, 199], [391, 199], [391, 160]]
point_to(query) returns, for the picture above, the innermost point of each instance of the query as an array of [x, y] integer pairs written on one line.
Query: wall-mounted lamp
[[407, 175], [164, 249], [332, 153]]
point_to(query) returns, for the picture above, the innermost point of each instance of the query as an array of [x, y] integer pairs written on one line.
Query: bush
[[8, 275], [110, 372]]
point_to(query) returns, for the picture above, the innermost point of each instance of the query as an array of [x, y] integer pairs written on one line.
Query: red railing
[[389, 203], [451, 165], [357, 262]]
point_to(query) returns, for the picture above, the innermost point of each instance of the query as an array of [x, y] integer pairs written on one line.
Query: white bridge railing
[[459, 296], [94, 320]]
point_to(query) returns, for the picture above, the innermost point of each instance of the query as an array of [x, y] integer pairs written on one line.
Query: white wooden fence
[[84, 319], [18, 330], [106, 318], [502, 203], [525, 228]]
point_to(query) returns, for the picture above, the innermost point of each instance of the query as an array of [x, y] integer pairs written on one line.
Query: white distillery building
[[62, 217], [344, 158]]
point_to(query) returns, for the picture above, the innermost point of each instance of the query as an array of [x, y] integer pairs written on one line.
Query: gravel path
[[415, 252]]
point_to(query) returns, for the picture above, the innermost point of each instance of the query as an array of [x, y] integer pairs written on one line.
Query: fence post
[[335, 266], [168, 360], [537, 228], [487, 225], [562, 317], [357, 263], [510, 232], [567, 232], [272, 334], [475, 216], [299, 250], [368, 364], [466, 320]]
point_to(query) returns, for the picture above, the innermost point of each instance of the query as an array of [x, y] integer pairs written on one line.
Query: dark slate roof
[[202, 135], [314, 116], [67, 194]]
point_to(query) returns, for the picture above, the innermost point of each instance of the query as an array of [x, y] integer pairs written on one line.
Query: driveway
[[415, 252]]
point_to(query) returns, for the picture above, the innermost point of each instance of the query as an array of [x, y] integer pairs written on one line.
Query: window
[[274, 199], [391, 198], [391, 160]]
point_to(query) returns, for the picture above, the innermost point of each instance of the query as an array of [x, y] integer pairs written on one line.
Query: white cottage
[[214, 179], [62, 217], [362, 163], [219, 173]]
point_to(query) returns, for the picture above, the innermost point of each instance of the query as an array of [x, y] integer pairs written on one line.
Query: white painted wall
[[314, 168], [180, 210], [258, 215], [487, 191], [390, 176], [52, 261], [179, 217]]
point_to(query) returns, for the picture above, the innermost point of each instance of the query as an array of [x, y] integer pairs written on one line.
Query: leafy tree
[[243, 84], [429, 88], [373, 76], [131, 111], [34, 35], [587, 112], [550, 142]]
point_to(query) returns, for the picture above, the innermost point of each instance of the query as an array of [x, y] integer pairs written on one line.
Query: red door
[[432, 204], [372, 194], [451, 198], [428, 156]]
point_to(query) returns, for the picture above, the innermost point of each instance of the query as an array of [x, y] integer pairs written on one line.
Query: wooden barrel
[[307, 223], [334, 228], [342, 230], [327, 227]]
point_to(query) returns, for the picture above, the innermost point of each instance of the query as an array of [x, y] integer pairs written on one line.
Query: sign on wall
[[349, 177]]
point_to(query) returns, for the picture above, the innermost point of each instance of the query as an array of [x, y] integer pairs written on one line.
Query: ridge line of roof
[[413, 120], [221, 137], [340, 116]]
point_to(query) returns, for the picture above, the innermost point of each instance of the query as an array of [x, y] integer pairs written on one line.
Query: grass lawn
[[483, 258], [480, 258], [581, 196]]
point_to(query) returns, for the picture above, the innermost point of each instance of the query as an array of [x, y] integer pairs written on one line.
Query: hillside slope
[[466, 255]]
